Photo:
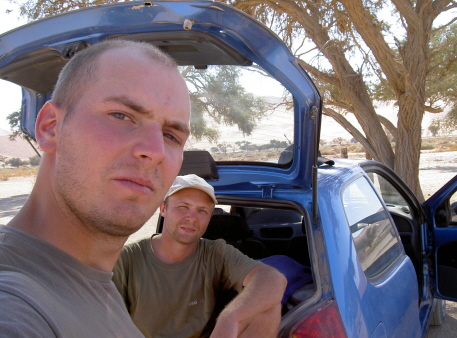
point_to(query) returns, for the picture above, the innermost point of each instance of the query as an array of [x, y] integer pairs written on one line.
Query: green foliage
[[223, 147], [442, 78], [450, 120], [276, 144], [16, 162], [434, 127], [34, 161], [427, 146], [15, 125], [356, 148], [217, 93]]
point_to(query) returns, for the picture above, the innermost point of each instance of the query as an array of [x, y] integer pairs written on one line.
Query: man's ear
[[162, 209], [46, 126]]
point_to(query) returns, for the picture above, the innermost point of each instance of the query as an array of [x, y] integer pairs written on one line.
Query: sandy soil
[[435, 170]]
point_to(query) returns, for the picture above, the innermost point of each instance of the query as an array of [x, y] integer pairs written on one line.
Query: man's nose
[[150, 144], [191, 216]]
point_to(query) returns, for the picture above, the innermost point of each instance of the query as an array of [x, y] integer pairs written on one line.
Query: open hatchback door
[[248, 91]]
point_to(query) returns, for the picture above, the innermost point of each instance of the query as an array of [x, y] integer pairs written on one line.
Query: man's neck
[[170, 251], [94, 250]]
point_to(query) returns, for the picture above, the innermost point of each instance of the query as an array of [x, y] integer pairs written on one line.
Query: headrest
[[229, 227], [200, 163]]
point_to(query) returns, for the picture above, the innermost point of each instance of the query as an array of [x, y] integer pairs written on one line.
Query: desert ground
[[435, 170]]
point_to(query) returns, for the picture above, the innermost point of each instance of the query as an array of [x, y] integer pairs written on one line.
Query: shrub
[[327, 151], [16, 162], [356, 148], [427, 146], [35, 160]]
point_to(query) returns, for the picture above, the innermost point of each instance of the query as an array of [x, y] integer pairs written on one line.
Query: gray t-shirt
[[177, 300], [45, 292]]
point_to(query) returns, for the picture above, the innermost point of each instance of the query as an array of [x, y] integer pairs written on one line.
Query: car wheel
[[438, 312]]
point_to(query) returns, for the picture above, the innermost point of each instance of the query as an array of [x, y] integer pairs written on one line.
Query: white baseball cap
[[191, 181]]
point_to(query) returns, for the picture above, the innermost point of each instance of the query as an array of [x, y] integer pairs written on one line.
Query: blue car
[[362, 256]]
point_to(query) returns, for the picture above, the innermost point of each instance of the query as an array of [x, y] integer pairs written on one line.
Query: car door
[[411, 224], [441, 211]]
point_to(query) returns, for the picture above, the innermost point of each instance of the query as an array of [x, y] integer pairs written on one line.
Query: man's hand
[[256, 311]]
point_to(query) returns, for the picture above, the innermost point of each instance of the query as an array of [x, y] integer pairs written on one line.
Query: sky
[[10, 94]]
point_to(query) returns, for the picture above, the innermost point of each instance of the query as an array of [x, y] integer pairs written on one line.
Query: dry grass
[[6, 174]]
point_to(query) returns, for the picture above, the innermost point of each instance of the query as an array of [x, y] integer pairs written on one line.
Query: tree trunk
[[415, 54], [344, 152]]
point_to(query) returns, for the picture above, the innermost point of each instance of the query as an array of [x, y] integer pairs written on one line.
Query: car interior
[[273, 232]]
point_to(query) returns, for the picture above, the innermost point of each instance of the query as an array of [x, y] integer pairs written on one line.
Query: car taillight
[[325, 322]]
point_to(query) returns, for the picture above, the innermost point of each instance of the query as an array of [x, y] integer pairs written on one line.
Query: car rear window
[[375, 239], [240, 113]]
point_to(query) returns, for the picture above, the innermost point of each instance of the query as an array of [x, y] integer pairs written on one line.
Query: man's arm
[[256, 311]]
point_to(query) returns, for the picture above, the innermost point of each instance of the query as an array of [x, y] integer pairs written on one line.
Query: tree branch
[[319, 74], [405, 8], [351, 130], [388, 125], [370, 32]]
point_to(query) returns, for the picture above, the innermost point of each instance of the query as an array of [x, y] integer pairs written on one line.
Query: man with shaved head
[[112, 138]]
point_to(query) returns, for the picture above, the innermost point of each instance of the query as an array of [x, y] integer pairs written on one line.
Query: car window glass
[[388, 192], [453, 205], [374, 236], [240, 113]]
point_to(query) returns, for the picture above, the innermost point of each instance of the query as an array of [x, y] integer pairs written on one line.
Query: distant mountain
[[19, 148]]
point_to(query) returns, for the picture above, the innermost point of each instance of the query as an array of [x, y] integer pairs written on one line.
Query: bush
[[16, 162], [327, 151], [35, 160], [427, 146], [356, 148]]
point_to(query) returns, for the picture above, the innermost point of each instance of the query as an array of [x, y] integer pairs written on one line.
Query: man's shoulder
[[137, 246], [20, 306], [20, 290], [212, 244], [219, 249], [133, 252]]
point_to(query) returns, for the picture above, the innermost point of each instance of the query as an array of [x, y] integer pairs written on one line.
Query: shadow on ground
[[9, 206], [440, 168], [448, 329]]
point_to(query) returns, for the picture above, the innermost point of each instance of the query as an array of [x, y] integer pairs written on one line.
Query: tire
[[438, 312]]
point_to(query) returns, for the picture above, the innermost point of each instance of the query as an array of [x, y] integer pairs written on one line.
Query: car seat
[[235, 231]]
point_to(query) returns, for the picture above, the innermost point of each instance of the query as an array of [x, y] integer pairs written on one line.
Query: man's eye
[[172, 138], [121, 116]]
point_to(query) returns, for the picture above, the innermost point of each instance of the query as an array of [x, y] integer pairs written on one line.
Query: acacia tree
[[354, 49], [216, 92]]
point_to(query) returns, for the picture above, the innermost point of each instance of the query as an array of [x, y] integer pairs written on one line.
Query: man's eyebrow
[[182, 127], [126, 101]]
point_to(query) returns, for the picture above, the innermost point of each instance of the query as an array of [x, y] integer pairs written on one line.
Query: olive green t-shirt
[[177, 300]]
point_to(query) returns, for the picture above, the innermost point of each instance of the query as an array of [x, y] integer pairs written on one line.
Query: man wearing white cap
[[170, 281]]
